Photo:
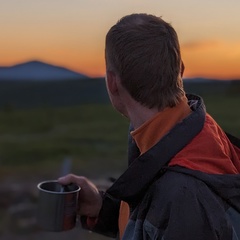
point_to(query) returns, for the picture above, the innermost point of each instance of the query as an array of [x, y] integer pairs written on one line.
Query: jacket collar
[[143, 170]]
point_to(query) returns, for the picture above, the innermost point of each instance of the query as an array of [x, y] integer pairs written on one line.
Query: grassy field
[[94, 136]]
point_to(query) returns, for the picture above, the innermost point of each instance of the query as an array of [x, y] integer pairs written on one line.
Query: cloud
[[213, 46], [195, 45]]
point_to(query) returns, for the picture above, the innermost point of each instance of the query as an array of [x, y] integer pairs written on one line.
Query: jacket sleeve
[[107, 221]]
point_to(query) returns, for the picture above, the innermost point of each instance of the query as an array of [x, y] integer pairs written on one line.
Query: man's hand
[[89, 200]]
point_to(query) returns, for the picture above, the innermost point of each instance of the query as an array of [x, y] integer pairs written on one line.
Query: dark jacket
[[173, 203]]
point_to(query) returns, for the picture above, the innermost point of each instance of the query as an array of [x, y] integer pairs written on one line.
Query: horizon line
[[199, 76]]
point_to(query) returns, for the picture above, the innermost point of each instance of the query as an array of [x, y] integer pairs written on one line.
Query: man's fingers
[[71, 178], [90, 200]]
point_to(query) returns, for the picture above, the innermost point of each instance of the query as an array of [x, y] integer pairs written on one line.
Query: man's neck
[[154, 128], [139, 114]]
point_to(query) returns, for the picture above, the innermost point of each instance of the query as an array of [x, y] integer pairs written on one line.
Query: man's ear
[[111, 81]]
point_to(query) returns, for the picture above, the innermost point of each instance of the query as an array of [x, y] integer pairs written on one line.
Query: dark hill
[[36, 70]]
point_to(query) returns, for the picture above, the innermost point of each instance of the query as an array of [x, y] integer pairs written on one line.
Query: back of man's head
[[143, 50]]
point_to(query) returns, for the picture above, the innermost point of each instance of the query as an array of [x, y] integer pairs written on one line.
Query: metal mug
[[57, 206]]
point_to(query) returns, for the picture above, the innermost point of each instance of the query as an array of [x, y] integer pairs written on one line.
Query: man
[[183, 178]]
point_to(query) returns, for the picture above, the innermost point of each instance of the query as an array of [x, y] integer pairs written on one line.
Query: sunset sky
[[71, 33]]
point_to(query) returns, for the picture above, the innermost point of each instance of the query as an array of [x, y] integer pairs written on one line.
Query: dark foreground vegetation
[[37, 136]]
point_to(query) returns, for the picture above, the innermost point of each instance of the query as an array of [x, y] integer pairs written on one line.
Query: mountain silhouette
[[38, 71]]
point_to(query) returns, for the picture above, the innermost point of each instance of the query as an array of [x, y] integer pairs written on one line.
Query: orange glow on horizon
[[72, 35], [210, 59]]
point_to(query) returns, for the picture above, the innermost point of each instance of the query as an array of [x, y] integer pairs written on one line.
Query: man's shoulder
[[181, 206], [175, 186], [175, 194]]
